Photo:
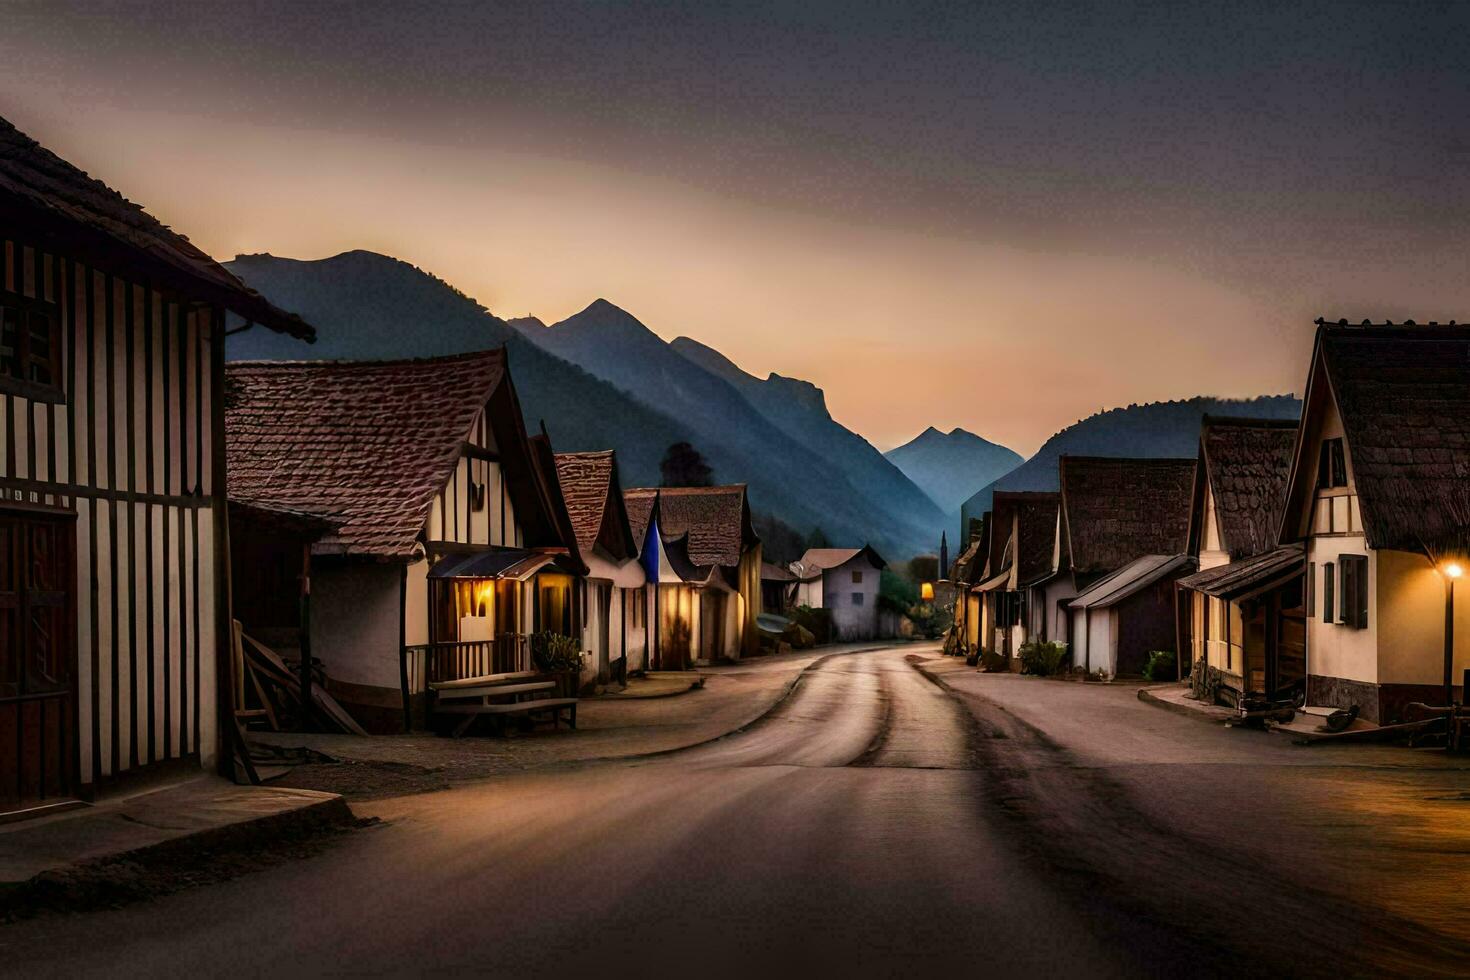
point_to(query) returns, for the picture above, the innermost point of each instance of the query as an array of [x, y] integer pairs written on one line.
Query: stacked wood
[[277, 691]]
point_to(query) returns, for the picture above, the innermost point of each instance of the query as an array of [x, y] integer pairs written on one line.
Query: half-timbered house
[[700, 549], [966, 571], [451, 545], [114, 568], [1018, 570], [1241, 618], [1124, 522], [615, 598], [1379, 496]]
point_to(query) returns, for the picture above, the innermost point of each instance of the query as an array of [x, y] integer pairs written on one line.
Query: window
[[857, 577], [1352, 596], [1331, 465], [1311, 598], [857, 598], [30, 348], [1329, 585]]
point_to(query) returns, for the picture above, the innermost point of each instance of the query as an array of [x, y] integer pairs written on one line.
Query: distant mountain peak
[[950, 466]]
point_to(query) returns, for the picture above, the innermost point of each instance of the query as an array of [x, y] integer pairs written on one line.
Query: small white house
[[845, 581]]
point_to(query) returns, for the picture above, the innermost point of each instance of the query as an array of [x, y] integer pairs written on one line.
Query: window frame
[[1329, 592], [52, 392]]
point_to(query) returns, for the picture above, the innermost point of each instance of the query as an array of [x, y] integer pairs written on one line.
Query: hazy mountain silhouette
[[1158, 429], [949, 466], [799, 408], [366, 305], [824, 475], [644, 396]]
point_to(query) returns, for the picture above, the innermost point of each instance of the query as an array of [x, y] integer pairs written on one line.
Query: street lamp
[[1452, 571], [926, 592]]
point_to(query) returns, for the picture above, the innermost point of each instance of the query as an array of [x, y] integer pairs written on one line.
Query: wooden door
[[604, 631], [38, 714]]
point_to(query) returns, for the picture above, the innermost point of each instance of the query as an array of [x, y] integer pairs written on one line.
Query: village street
[[869, 824]]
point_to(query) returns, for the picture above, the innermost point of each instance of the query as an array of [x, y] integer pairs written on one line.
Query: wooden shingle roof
[[87, 215], [1115, 510], [1247, 463], [585, 480], [639, 501], [715, 519], [1404, 397], [366, 443], [594, 502]]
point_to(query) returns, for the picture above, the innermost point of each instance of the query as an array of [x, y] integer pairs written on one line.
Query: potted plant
[[559, 656]]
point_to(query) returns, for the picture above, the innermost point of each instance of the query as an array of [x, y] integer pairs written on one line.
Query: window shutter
[[1311, 589], [1355, 590], [1329, 583]]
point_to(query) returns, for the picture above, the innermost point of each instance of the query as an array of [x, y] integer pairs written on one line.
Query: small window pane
[[857, 598], [9, 342], [39, 355]]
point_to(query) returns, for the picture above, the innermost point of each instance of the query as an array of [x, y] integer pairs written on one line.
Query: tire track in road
[[1204, 905]]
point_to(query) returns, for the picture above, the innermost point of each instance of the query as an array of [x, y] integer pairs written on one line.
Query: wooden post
[[305, 643], [403, 646]]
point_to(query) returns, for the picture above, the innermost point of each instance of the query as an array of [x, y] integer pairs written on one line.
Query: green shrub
[[817, 621], [553, 653], [1042, 659], [1162, 665]]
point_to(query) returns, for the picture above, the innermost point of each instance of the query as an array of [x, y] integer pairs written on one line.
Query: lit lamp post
[[926, 592], [1452, 571]]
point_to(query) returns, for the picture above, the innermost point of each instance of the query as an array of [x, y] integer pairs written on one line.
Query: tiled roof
[[1247, 462], [1028, 520], [1131, 578], [36, 179], [1404, 397], [639, 502], [715, 519], [1248, 575], [367, 443], [585, 481], [1116, 510]]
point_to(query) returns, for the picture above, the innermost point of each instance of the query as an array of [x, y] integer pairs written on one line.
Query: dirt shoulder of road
[[731, 698], [1305, 851]]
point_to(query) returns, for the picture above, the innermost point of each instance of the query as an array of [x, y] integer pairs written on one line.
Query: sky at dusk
[[1001, 217]]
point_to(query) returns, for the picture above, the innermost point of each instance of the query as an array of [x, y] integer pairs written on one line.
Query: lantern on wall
[[926, 592]]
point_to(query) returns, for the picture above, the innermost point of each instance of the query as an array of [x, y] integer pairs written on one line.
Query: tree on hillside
[[817, 539], [684, 466], [923, 568]]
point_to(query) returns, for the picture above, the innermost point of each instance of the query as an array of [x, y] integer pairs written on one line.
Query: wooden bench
[[500, 712], [485, 680]]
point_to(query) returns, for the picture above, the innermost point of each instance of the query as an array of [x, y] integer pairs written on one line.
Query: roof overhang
[[509, 564]]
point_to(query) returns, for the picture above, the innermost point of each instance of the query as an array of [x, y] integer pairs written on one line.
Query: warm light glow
[[926, 592], [1453, 570]]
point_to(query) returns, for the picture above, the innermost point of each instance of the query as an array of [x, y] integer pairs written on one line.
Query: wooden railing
[[431, 663]]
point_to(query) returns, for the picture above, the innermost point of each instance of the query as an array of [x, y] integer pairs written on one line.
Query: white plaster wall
[[354, 622], [1335, 650], [1212, 553], [852, 622]]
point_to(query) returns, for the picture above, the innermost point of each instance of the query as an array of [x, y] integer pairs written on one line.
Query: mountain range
[[1157, 429], [948, 466], [601, 379]]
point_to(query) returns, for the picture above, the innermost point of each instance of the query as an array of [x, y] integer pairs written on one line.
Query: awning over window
[[514, 564]]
